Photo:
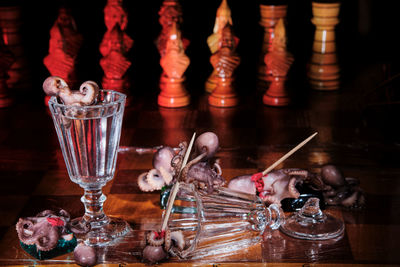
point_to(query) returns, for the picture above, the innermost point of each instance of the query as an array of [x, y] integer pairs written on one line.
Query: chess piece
[[64, 45], [174, 63], [114, 48], [6, 60], [11, 21], [323, 69], [170, 13], [270, 15], [224, 62], [223, 17], [278, 62]]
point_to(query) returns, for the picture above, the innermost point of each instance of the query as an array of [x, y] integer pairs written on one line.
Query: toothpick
[[279, 161], [175, 188]]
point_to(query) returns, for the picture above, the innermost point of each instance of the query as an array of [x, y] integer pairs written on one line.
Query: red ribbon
[[55, 221], [258, 181], [159, 235]]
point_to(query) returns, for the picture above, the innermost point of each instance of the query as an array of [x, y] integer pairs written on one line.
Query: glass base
[[329, 228], [107, 234], [311, 224]]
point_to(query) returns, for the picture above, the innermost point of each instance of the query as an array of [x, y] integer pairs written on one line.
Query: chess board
[[252, 136]]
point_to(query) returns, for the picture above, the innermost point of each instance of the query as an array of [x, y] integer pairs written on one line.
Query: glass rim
[[53, 101]]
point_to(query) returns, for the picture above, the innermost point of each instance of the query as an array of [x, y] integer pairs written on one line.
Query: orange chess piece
[[324, 70], [64, 45], [6, 60], [224, 62], [114, 48], [270, 15], [278, 62], [223, 17], [170, 13], [174, 64]]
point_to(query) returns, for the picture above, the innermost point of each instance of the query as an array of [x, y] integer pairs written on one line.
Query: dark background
[[365, 35]]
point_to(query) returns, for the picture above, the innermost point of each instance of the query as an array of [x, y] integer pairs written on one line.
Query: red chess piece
[[174, 63], [225, 62], [114, 48], [278, 61], [64, 45], [6, 60]]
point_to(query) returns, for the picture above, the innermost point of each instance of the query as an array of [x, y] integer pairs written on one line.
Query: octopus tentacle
[[25, 231], [168, 240], [153, 240], [303, 173], [78, 226], [292, 188], [351, 200], [270, 199], [45, 213], [65, 214], [289, 170], [217, 169], [185, 170], [154, 179], [165, 175], [143, 184], [177, 160]]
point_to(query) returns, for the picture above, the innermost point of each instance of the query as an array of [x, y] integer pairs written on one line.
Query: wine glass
[[220, 223], [224, 222], [89, 139]]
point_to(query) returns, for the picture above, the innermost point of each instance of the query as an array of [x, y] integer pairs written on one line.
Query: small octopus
[[47, 227], [161, 243], [203, 168], [280, 184]]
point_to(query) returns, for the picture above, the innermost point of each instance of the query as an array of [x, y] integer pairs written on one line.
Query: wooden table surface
[[252, 136]]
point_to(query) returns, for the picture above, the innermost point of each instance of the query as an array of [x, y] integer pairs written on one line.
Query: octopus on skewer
[[160, 243], [284, 183], [203, 169]]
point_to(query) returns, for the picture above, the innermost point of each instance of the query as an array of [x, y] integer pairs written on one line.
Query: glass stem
[[93, 200], [269, 217], [274, 215]]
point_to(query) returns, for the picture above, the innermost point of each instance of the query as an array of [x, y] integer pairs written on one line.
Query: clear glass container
[[220, 223], [89, 139]]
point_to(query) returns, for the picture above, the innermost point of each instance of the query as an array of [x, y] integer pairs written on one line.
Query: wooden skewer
[[175, 188], [279, 161]]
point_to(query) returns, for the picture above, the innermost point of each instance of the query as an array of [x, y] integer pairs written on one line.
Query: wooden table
[[34, 178]]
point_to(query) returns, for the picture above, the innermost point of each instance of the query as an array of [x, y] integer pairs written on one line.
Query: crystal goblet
[[221, 223], [89, 139]]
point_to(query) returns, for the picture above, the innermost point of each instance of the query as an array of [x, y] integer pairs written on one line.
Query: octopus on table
[[203, 169]]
